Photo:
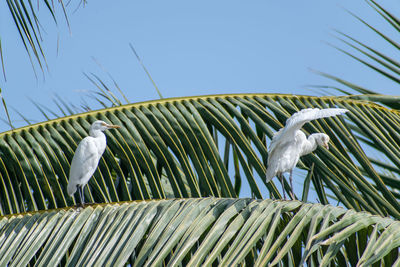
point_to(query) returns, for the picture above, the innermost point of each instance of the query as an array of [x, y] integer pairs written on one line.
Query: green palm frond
[[2, 62], [204, 146], [194, 232], [376, 60], [26, 19], [104, 96]]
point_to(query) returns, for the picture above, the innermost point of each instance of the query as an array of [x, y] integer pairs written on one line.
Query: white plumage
[[290, 143], [86, 158]]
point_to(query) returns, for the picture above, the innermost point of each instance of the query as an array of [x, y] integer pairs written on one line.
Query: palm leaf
[[175, 147], [2, 62], [374, 59], [198, 232], [25, 16]]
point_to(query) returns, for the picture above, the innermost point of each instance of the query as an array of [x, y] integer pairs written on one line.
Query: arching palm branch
[[196, 147], [194, 232], [191, 147]]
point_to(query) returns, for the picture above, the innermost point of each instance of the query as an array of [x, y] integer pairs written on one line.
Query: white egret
[[86, 158], [290, 143]]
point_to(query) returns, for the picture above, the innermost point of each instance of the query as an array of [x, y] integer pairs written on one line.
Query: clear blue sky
[[190, 48]]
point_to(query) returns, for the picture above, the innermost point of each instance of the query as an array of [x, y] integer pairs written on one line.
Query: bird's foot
[[89, 203], [79, 205], [84, 205]]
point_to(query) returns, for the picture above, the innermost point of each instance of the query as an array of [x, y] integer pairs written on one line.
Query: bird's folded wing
[[297, 120], [85, 159]]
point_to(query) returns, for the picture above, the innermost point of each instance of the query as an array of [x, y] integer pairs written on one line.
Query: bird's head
[[102, 126], [323, 140]]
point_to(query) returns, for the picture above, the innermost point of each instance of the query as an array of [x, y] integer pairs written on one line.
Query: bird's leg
[[291, 184], [283, 185], [81, 196]]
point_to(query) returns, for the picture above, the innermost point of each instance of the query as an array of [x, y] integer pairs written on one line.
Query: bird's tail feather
[[71, 188], [269, 174]]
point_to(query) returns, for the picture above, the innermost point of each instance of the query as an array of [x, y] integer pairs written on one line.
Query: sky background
[[190, 48]]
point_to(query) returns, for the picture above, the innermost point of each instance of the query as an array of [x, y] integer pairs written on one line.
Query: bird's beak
[[326, 146], [111, 126]]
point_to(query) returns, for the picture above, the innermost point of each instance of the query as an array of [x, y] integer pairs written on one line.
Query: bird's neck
[[100, 140], [310, 145], [96, 134]]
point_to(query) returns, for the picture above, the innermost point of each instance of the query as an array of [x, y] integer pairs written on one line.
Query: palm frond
[[371, 57], [2, 62], [194, 232], [25, 16], [145, 70], [177, 147], [3, 101]]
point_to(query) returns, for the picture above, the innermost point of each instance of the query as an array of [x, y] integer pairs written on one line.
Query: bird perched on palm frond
[[290, 143], [86, 158]]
